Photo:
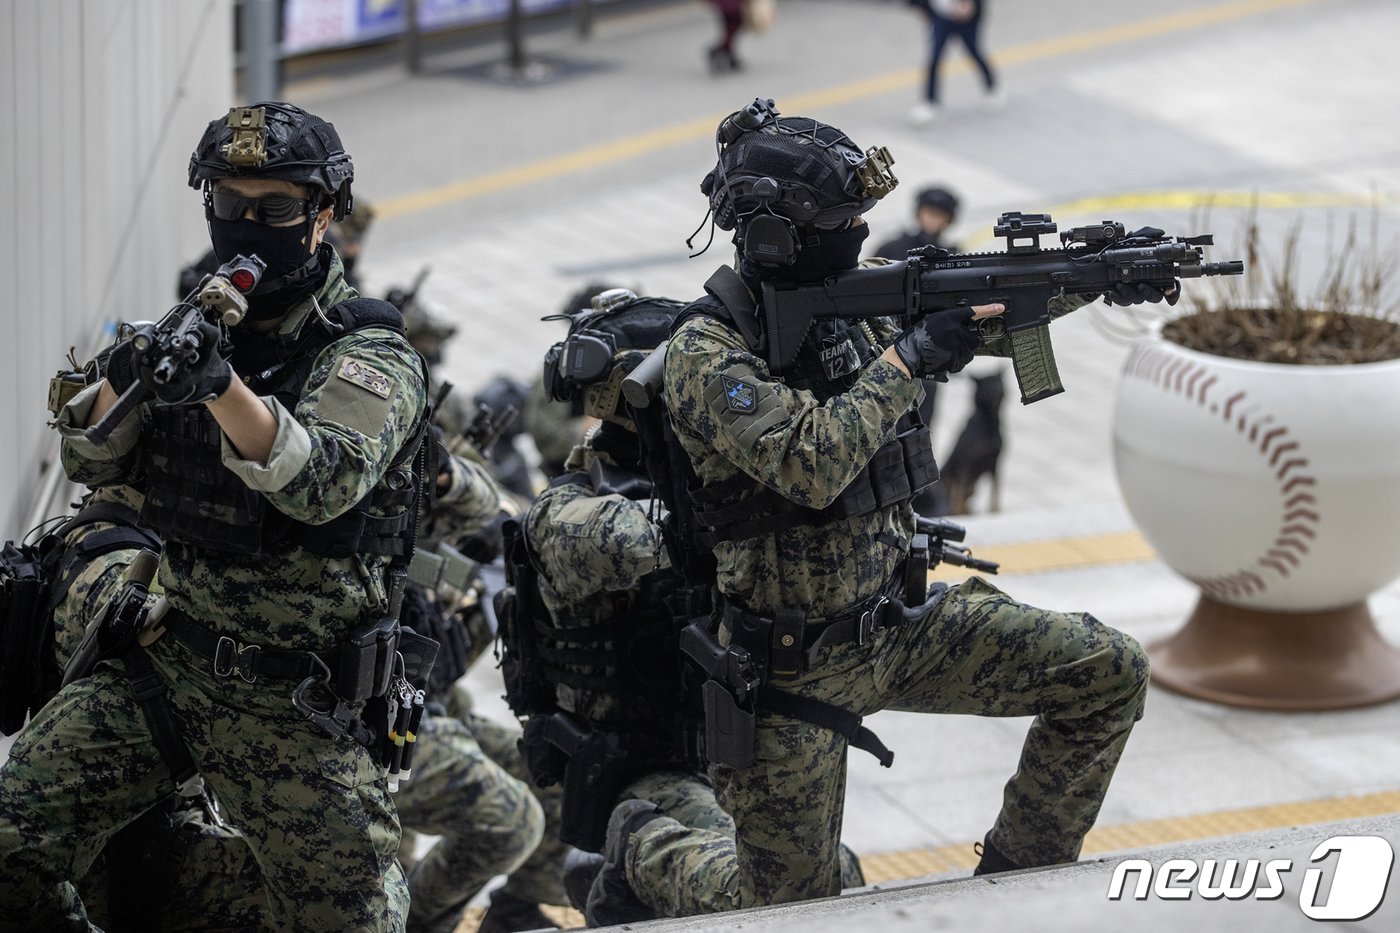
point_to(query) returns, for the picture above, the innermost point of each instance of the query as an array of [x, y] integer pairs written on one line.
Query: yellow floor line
[[1056, 554], [704, 127], [898, 866], [917, 863]]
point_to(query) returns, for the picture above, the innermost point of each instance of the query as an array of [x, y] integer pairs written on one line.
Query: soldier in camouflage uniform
[[468, 782], [257, 499], [602, 576], [811, 543]]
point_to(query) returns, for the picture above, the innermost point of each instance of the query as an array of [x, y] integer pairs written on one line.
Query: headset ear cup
[[555, 385], [770, 240]]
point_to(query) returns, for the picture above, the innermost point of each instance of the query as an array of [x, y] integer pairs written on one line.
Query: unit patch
[[738, 396], [366, 377]]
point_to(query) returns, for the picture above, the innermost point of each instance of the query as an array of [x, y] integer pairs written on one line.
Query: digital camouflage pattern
[[974, 651], [811, 453], [325, 459], [96, 583], [685, 863], [315, 810], [593, 550], [488, 821]]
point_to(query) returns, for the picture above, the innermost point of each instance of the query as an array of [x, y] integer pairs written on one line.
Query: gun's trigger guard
[[990, 328]]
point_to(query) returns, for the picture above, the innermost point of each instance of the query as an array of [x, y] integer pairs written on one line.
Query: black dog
[[978, 447]]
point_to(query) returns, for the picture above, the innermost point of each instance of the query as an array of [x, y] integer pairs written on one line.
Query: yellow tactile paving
[[898, 866], [917, 863], [1056, 554]]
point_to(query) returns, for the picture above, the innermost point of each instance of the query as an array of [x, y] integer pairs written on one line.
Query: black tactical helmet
[[607, 341], [270, 139], [940, 199], [797, 168]]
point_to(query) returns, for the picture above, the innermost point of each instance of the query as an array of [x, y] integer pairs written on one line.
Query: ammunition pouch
[[366, 661], [739, 507]]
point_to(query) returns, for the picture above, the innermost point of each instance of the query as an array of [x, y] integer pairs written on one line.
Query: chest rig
[[192, 498], [630, 661], [828, 363]]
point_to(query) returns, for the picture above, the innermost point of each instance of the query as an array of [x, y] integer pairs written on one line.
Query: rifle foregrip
[[1033, 358]]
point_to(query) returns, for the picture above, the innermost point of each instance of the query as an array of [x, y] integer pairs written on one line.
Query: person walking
[[949, 18]]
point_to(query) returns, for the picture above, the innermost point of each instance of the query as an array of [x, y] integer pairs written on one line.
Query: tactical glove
[[942, 342], [1137, 293], [207, 377]]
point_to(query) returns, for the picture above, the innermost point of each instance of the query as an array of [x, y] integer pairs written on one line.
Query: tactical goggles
[[268, 209]]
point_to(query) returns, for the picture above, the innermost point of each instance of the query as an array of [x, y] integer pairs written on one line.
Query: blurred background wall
[[100, 104]]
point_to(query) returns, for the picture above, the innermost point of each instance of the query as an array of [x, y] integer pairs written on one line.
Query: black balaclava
[[824, 252], [293, 270]]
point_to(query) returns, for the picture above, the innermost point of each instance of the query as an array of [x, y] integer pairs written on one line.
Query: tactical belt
[[231, 657]]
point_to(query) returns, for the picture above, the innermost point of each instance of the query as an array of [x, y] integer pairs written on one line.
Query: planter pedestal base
[[1278, 660]]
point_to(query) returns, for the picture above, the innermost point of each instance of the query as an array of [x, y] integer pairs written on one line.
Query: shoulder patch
[[365, 376], [739, 396]]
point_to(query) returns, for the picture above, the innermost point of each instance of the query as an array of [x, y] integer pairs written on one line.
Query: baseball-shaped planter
[[1275, 488]]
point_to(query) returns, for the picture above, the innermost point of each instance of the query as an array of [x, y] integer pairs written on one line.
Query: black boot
[[580, 868], [611, 899], [509, 914], [993, 861]]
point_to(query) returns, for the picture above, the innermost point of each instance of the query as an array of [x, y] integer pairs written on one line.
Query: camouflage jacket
[[329, 452], [804, 448], [592, 553]]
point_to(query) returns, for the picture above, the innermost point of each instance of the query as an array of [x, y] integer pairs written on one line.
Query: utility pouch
[[419, 652], [592, 779], [367, 660], [916, 572], [729, 729]]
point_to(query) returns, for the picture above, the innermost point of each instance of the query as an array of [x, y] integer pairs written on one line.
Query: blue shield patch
[[739, 396]]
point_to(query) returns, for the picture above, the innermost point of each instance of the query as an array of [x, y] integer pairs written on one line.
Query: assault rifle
[[175, 343], [1024, 278]]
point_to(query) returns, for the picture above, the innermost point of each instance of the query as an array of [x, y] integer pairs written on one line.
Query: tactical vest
[[192, 498], [740, 507], [630, 662]]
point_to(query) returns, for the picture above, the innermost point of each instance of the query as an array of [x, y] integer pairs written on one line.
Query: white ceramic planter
[[1272, 487]]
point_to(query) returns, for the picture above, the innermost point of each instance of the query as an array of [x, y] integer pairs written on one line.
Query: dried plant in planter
[[1347, 320]]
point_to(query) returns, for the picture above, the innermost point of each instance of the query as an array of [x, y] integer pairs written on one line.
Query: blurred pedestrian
[[934, 212], [948, 18], [731, 21]]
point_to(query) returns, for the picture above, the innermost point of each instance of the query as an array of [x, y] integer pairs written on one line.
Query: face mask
[[832, 251], [286, 251]]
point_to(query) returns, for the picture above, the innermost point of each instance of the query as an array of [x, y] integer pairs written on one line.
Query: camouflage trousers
[[459, 790], [315, 811], [488, 820], [177, 872], [686, 863], [540, 878], [974, 652]]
